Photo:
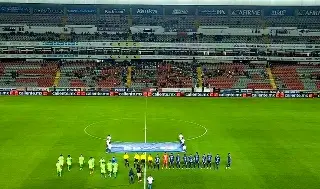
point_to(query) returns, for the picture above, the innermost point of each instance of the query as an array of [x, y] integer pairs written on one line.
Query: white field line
[[145, 141]]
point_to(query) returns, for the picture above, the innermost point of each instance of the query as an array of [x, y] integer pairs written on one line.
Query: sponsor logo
[[97, 94], [147, 11], [264, 95], [278, 12], [212, 12], [179, 11], [164, 94], [130, 94], [69, 93], [309, 12], [197, 94], [4, 92], [81, 10], [30, 93], [246, 12], [115, 11]]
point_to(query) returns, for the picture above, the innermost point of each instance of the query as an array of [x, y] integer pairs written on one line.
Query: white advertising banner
[[173, 90], [205, 89]]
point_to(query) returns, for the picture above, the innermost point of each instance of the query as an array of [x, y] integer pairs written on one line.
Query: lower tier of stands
[[159, 74]]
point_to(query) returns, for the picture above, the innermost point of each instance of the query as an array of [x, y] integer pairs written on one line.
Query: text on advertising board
[[146, 11], [246, 12], [309, 12], [279, 12], [14, 9], [212, 12], [47, 11], [115, 11], [82, 11]]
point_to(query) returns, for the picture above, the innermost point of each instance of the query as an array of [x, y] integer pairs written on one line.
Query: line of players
[[112, 165], [180, 162]]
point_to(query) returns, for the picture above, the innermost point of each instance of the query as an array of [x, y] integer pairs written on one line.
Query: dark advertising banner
[[64, 93], [264, 95], [147, 10], [117, 10], [81, 10], [4, 93], [309, 12], [246, 12], [119, 89], [279, 11], [187, 94], [159, 94], [180, 10], [47, 10], [212, 11], [97, 93], [14, 9], [30, 93], [129, 94], [230, 94], [226, 93]]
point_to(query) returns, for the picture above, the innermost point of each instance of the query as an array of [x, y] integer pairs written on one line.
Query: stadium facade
[[171, 47]]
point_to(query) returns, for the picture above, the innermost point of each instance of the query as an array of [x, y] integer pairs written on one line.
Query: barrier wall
[[232, 93]]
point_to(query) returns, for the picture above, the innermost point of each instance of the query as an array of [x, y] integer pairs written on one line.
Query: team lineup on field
[[142, 161]]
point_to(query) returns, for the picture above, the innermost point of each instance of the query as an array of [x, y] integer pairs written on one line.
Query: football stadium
[[194, 94]]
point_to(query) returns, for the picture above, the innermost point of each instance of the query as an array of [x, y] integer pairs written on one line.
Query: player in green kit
[[103, 169], [91, 165], [109, 167], [102, 161], [115, 169], [81, 161], [59, 169], [69, 162], [61, 160]]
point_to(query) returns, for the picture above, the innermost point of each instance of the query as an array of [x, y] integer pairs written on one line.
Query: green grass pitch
[[274, 143]]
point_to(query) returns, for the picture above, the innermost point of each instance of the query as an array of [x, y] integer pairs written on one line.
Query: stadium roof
[[178, 2]]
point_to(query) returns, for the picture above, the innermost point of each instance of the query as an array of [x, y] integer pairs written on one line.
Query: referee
[[150, 161], [126, 159], [136, 160], [143, 158]]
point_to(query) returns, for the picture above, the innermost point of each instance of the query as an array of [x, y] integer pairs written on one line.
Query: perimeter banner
[[223, 93], [146, 147]]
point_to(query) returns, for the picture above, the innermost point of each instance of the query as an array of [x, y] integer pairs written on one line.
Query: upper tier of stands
[[172, 18], [142, 23]]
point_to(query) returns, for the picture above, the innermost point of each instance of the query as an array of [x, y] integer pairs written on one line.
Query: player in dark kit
[[217, 162], [178, 161], [209, 161], [204, 161], [228, 161], [157, 162], [191, 161], [171, 161], [185, 161], [197, 160]]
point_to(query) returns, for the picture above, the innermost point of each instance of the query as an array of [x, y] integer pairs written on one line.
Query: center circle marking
[[176, 120]]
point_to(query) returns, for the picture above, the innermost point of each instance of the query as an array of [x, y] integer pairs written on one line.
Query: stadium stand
[[92, 74], [253, 30], [238, 75], [28, 74], [144, 75]]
